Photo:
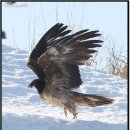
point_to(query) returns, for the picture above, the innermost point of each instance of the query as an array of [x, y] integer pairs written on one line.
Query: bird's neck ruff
[[39, 84]]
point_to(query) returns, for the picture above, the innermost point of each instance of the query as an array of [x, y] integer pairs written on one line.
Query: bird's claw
[[75, 116], [65, 111]]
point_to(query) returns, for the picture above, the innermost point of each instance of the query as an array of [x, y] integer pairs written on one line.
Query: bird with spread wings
[[55, 61]]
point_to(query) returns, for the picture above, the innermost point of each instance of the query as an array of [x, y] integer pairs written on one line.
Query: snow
[[22, 108]]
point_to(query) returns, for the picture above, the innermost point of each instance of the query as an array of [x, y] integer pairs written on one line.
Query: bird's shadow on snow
[[33, 122]]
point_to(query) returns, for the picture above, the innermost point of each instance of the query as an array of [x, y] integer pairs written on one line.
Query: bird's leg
[[71, 107], [65, 111], [75, 115]]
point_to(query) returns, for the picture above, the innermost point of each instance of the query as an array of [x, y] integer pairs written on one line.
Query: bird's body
[[55, 61]]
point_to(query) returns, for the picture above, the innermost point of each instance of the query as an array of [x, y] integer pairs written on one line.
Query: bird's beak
[[29, 86]]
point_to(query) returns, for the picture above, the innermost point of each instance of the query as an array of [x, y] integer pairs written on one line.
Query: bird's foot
[[65, 111], [75, 115]]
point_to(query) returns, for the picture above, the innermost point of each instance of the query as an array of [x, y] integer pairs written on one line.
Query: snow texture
[[22, 108]]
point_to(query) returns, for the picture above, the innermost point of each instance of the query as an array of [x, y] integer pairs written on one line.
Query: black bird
[[55, 61]]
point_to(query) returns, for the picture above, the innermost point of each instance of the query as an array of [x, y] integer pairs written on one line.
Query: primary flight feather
[[55, 61]]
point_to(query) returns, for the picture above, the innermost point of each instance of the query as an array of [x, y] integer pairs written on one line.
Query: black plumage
[[55, 61]]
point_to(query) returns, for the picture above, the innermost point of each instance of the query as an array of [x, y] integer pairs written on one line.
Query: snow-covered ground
[[22, 108]]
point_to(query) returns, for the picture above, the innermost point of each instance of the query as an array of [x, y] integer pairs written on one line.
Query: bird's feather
[[61, 60], [56, 59]]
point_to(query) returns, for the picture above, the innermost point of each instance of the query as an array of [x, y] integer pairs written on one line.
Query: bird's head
[[39, 84]]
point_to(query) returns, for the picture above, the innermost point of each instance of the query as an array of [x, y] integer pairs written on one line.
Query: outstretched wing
[[58, 30], [61, 60]]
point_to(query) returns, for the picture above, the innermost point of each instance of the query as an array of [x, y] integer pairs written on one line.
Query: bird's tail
[[90, 99]]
